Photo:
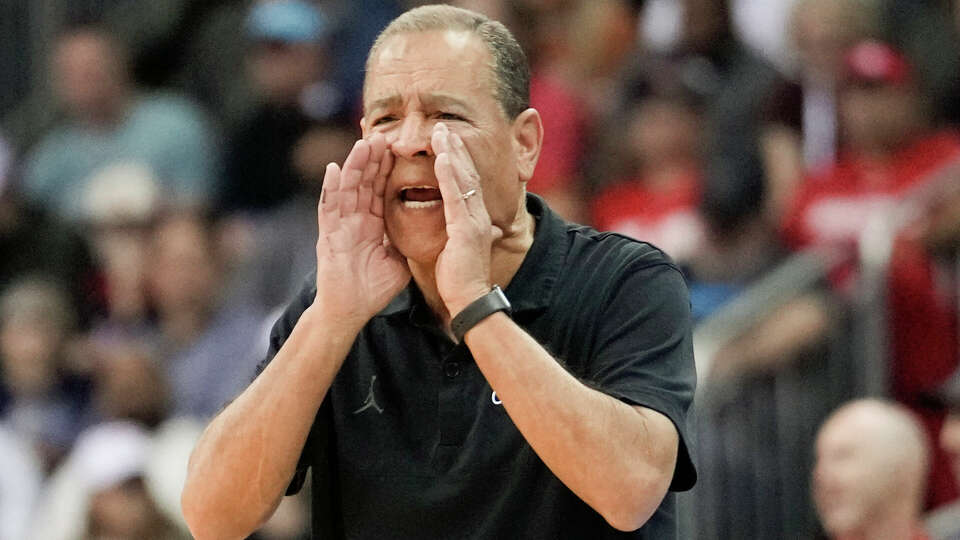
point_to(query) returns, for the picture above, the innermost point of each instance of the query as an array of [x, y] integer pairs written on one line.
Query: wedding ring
[[468, 194]]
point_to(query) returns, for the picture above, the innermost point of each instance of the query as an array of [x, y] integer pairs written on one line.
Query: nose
[[412, 137]]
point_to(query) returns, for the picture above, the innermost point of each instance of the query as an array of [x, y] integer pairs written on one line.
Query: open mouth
[[420, 197]]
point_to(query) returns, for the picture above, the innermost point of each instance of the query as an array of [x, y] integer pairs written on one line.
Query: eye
[[450, 116], [384, 119]]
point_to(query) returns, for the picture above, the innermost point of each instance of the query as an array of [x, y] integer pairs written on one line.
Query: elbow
[[208, 520], [630, 509]]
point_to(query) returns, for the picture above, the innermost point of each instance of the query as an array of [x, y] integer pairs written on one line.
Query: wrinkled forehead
[[443, 57]]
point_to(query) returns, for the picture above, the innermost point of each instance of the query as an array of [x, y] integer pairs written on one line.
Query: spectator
[[110, 122], [658, 201], [872, 460], [46, 401], [119, 204], [211, 345], [890, 148], [101, 491], [285, 64], [800, 127]]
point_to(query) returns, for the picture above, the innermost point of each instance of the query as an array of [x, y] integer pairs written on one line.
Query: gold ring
[[468, 194]]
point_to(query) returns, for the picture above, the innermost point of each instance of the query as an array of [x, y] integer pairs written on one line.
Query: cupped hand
[[358, 271], [463, 267]]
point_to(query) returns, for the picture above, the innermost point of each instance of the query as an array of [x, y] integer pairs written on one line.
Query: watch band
[[478, 310]]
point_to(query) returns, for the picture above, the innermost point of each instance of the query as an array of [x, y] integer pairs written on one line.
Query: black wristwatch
[[478, 310]]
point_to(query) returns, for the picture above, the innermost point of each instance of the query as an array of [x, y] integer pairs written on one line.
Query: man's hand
[[463, 267], [358, 271]]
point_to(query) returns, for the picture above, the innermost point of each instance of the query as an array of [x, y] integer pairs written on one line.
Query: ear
[[527, 141]]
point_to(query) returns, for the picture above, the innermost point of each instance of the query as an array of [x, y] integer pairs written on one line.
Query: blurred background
[[160, 163]]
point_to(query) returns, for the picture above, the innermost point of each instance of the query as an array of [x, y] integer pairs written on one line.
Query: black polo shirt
[[412, 442]]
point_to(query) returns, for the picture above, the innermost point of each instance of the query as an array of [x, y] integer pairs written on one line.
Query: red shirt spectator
[[666, 217]]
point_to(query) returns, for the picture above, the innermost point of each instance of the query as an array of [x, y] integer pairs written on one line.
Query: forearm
[[246, 457], [618, 458]]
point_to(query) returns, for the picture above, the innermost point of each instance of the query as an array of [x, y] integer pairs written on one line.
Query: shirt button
[[451, 369]]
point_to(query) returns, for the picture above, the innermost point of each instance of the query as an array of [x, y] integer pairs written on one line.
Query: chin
[[421, 244]]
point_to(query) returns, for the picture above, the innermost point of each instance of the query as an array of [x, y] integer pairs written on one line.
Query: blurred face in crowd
[[183, 267], [28, 350], [866, 463], [280, 71], [124, 512], [880, 117], [823, 30], [33, 328], [90, 77], [129, 383], [663, 132], [416, 80]]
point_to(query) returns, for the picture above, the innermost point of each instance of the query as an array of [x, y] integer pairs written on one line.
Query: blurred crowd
[[160, 164]]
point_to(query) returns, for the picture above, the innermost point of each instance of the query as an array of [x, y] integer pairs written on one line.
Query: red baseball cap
[[874, 62]]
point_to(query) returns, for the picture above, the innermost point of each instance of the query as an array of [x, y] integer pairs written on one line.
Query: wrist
[[464, 298], [335, 324], [477, 311]]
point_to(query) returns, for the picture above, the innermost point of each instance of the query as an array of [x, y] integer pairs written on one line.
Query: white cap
[[109, 454], [121, 193]]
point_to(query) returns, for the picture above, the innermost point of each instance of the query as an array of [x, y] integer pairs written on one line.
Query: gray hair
[[509, 66]]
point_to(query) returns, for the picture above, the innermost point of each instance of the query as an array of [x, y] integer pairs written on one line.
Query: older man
[[443, 406], [869, 480]]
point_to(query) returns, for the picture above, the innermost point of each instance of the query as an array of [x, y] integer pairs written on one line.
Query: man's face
[[879, 116], [89, 77], [847, 489], [415, 81]]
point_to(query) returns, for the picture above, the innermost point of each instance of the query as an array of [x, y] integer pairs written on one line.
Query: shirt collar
[[532, 287]]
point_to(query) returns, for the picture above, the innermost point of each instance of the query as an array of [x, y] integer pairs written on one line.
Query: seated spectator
[[102, 490], [46, 403], [891, 147], [658, 202], [210, 345], [800, 120], [119, 205], [872, 459], [285, 65], [110, 122]]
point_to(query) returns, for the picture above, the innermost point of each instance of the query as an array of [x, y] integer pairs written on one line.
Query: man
[[566, 419], [869, 480], [109, 122]]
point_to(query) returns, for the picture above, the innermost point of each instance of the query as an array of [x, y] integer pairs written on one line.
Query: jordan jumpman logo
[[371, 401]]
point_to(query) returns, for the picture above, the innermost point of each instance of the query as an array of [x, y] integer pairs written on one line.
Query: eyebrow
[[431, 99]]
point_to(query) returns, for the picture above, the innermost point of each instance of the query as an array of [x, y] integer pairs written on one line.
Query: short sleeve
[[644, 353], [278, 336]]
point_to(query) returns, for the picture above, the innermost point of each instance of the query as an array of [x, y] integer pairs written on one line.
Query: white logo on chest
[[371, 401], [495, 399]]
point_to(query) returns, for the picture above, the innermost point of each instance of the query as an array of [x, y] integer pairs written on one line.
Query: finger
[[351, 175], [453, 204], [380, 183], [365, 190], [467, 177], [328, 215]]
